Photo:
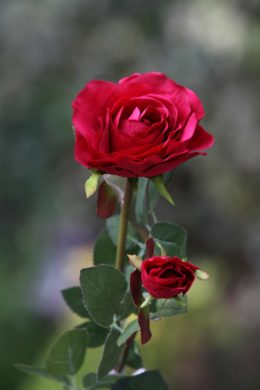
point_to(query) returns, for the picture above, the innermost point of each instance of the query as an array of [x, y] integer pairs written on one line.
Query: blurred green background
[[49, 50]]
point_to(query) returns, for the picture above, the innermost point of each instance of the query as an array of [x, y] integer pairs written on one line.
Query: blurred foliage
[[48, 51]]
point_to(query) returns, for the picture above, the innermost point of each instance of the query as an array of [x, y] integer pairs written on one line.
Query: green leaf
[[96, 334], [42, 373], [161, 188], [149, 380], [130, 329], [134, 359], [90, 381], [67, 355], [74, 299], [126, 307], [111, 354], [141, 201], [104, 250], [103, 287], [168, 307], [173, 238], [113, 227]]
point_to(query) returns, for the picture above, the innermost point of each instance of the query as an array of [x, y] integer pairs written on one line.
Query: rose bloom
[[144, 125], [167, 277]]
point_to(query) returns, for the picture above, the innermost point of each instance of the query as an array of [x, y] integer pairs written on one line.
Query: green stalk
[[74, 385], [120, 255]]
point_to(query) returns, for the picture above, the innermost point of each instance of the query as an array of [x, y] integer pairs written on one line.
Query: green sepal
[[153, 195], [161, 188], [92, 183]]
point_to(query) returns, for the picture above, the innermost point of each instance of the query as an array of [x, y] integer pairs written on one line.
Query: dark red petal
[[201, 140], [195, 103], [144, 323], [139, 84], [136, 287], [106, 201]]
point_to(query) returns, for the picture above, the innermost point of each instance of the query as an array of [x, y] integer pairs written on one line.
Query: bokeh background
[[48, 51]]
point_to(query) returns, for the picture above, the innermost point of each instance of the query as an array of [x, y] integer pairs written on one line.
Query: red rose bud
[[142, 126], [167, 277], [106, 201]]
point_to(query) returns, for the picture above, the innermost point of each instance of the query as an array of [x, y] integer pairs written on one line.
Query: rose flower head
[[167, 277], [142, 126]]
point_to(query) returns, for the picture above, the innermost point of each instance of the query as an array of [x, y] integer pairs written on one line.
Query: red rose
[[144, 125], [167, 277]]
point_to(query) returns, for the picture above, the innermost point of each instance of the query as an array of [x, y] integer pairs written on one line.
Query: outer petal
[[154, 82], [90, 103], [201, 140], [196, 105]]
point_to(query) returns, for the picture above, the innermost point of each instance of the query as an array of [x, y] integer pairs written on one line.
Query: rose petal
[[201, 139]]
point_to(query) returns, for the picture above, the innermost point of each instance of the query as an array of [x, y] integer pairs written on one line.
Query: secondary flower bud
[[144, 125], [167, 277]]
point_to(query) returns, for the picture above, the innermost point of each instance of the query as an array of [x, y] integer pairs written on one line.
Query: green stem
[[74, 385], [120, 255]]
